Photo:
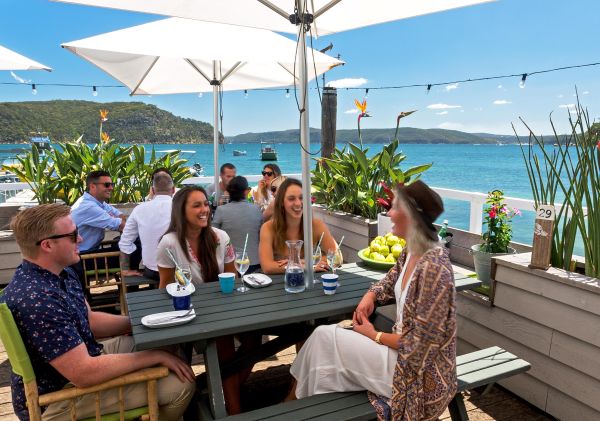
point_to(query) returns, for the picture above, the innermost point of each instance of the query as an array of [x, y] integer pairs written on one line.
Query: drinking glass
[[334, 258], [242, 262], [185, 272], [316, 258]]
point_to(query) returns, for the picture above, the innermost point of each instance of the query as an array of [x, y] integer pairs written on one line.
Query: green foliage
[[61, 173], [568, 174], [497, 218], [349, 180], [130, 122]]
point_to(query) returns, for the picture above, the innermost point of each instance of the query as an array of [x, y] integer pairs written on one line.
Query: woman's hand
[[366, 306], [363, 326], [281, 263]]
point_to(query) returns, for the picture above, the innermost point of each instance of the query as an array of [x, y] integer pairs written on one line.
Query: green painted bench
[[474, 370]]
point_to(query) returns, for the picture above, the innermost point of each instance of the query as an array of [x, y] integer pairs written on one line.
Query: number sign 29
[[542, 237]]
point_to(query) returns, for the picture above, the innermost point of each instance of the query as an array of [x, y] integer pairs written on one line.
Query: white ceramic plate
[[173, 288], [168, 318], [257, 280]]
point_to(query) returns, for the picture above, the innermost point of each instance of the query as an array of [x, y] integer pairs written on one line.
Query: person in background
[[239, 218], [268, 211], [286, 224], [59, 329], [148, 221], [227, 172], [150, 195], [410, 373], [262, 194]]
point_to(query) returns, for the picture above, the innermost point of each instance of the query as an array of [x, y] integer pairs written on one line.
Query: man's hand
[[175, 364]]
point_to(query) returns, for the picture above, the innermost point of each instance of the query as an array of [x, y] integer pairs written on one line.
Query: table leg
[[214, 384]]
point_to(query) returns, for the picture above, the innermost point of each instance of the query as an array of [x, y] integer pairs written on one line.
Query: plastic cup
[[226, 281], [330, 283], [182, 299]]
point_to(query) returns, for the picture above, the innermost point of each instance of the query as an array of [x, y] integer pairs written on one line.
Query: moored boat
[[237, 152], [267, 152]]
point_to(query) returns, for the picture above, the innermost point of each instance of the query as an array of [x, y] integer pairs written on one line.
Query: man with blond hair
[[59, 328]]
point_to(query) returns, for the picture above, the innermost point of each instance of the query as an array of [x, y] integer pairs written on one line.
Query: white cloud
[[499, 86], [442, 106], [585, 92], [442, 113], [560, 96], [351, 111], [452, 87], [501, 102], [566, 106], [448, 125], [18, 78], [347, 82]]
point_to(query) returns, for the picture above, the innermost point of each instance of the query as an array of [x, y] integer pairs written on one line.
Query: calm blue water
[[478, 168]]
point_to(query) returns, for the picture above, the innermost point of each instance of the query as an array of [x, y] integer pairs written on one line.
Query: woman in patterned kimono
[[410, 373]]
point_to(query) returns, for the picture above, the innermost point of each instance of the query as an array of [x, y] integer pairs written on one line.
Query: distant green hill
[[128, 122], [406, 135]]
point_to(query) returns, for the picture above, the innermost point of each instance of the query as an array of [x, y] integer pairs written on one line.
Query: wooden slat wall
[[10, 256], [552, 322]]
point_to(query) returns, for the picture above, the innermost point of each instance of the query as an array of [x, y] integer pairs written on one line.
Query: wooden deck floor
[[497, 405]]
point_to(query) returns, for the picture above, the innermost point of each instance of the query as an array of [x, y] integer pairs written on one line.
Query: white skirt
[[334, 359]]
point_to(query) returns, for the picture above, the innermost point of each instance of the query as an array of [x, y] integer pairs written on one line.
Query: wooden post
[[328, 121], [542, 237]]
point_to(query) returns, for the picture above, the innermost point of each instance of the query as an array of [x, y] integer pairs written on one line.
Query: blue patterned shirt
[[52, 318], [92, 217]]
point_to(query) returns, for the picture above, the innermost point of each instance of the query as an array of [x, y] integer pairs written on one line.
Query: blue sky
[[504, 37]]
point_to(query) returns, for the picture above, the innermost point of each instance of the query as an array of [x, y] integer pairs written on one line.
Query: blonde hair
[[417, 241], [32, 224]]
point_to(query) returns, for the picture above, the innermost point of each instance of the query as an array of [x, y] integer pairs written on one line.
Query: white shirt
[[225, 254], [149, 221], [401, 295]]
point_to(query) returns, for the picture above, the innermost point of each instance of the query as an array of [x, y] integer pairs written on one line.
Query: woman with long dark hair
[[262, 194], [192, 241], [286, 224]]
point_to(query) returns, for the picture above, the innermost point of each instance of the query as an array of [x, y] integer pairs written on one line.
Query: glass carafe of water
[[294, 272]]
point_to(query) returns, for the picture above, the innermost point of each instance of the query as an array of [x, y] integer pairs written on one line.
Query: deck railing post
[[475, 221]]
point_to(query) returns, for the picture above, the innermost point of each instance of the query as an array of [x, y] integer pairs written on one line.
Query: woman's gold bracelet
[[378, 337]]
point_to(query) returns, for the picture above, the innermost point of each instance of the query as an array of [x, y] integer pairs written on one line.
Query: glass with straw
[[334, 256], [242, 263], [316, 257]]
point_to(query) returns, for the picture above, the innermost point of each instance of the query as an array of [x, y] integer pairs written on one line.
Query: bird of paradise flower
[[400, 117], [362, 107], [103, 117]]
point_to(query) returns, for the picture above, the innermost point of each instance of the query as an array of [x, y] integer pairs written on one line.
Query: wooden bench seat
[[476, 369]]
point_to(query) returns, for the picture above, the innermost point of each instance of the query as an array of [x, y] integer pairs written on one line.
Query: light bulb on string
[[287, 93], [523, 79], [367, 93], [245, 93], [33, 89], [428, 88], [94, 91]]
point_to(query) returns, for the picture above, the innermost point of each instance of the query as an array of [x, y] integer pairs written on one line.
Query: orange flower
[[362, 107], [105, 137], [103, 115]]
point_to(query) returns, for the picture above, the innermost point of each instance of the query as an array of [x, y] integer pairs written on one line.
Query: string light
[[245, 93], [523, 79], [287, 93], [366, 93], [33, 89], [428, 88], [94, 91]]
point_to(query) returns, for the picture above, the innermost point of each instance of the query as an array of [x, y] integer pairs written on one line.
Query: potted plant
[[384, 222], [496, 237]]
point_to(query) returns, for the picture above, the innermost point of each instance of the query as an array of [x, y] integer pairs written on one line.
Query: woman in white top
[[262, 194], [410, 372], [192, 240]]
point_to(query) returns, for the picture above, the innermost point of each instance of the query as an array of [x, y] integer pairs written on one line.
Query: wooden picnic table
[[219, 314]]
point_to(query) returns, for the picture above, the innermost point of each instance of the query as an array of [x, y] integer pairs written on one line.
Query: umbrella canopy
[[178, 56], [175, 55], [317, 17], [9, 60], [329, 16]]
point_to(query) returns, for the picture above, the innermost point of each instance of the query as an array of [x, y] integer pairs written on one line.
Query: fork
[[169, 318], [255, 279]]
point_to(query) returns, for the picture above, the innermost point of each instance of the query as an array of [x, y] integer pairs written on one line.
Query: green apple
[[396, 250], [367, 253], [392, 240], [378, 257], [390, 258], [380, 239], [384, 250], [375, 247]]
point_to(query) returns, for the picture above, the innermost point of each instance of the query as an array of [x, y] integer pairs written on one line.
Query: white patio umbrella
[[188, 56], [10, 60], [295, 16]]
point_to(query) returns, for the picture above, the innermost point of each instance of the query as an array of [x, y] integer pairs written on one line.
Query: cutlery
[[169, 318], [255, 279]]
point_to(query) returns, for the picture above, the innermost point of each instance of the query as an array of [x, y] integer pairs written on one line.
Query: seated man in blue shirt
[[93, 215], [59, 329]]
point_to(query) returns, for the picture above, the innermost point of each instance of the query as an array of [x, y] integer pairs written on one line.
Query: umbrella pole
[[305, 142], [216, 132]]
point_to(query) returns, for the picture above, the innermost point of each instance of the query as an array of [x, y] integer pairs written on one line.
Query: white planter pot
[[483, 262], [384, 224]]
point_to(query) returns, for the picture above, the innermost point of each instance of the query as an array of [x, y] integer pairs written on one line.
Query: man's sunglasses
[[107, 184], [269, 173], [73, 235]]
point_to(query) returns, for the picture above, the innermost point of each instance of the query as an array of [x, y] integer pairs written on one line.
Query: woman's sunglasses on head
[[269, 173], [73, 235]]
